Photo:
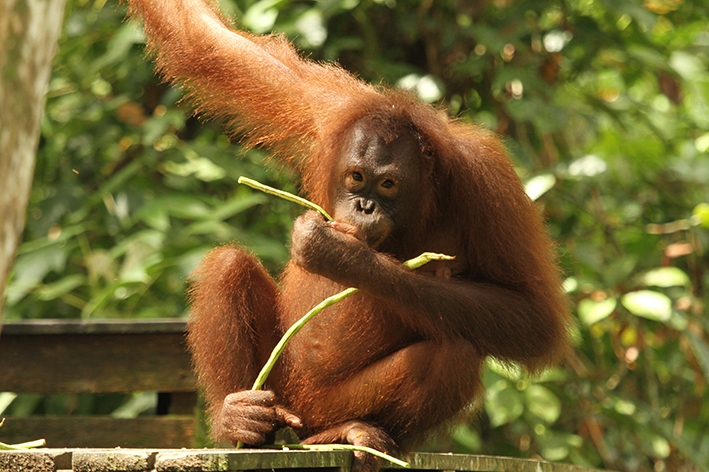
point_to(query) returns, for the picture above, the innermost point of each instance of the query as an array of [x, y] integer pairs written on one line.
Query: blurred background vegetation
[[604, 106]]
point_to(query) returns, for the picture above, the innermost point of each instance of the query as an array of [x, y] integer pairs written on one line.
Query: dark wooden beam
[[102, 431], [51, 356]]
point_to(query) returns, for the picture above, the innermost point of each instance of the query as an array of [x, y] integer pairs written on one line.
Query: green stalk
[[341, 447], [293, 330], [22, 446], [414, 263], [285, 195]]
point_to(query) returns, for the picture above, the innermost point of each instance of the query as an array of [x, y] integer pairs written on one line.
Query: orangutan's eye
[[388, 188]]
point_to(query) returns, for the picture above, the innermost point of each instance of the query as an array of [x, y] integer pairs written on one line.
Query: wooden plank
[[224, 460], [96, 357], [114, 460], [23, 461], [102, 432], [245, 459], [468, 462], [105, 326]]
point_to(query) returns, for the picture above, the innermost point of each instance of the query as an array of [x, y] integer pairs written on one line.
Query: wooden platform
[[116, 356], [221, 460]]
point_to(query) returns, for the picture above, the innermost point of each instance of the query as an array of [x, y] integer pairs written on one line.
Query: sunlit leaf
[[702, 143], [139, 403], [556, 446], [312, 26], [592, 311], [571, 284], [543, 403], [666, 277], [508, 371], [427, 87], [261, 16], [539, 185], [504, 404], [686, 64], [661, 447], [587, 166], [648, 304], [701, 214], [5, 399], [624, 407]]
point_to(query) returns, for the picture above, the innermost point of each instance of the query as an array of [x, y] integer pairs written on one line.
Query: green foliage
[[605, 108], [125, 200]]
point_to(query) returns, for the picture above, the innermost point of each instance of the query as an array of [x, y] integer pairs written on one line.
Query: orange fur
[[405, 353]]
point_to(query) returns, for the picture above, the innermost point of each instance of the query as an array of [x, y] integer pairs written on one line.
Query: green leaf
[[592, 312], [539, 185], [648, 304], [701, 352], [32, 267], [700, 214], [261, 16], [236, 205], [503, 403], [5, 399], [311, 26], [667, 277], [61, 287], [624, 407], [660, 447], [467, 437], [571, 284], [139, 403], [543, 403], [509, 371], [179, 205], [427, 87]]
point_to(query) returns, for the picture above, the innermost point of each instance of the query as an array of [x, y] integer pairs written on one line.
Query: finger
[[329, 436], [247, 430], [247, 437], [289, 419], [293, 421], [346, 229], [252, 397], [245, 413], [364, 462]]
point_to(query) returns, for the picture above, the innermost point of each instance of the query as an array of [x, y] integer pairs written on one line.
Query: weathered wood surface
[[51, 356], [222, 460]]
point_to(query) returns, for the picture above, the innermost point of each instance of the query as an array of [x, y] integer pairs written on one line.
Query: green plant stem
[[21, 446], [298, 325], [285, 195], [341, 447], [293, 330]]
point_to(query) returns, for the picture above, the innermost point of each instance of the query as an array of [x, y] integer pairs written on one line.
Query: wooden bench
[[101, 356]]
